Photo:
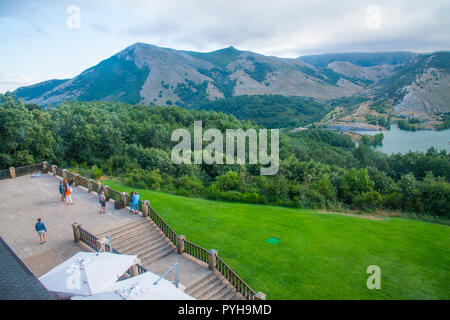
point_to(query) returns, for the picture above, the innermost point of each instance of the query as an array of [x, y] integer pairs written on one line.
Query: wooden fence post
[[145, 208], [212, 255], [54, 170], [64, 174], [180, 243], [76, 231], [12, 172], [124, 198], [90, 185], [45, 167]]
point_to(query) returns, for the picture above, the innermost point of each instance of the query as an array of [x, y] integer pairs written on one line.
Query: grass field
[[320, 256]]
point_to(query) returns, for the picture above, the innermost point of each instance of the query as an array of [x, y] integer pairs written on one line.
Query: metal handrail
[[176, 281]]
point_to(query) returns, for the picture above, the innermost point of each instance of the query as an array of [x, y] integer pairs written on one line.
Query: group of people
[[134, 202], [65, 189]]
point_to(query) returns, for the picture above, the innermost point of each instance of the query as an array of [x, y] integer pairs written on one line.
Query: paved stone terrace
[[24, 199]]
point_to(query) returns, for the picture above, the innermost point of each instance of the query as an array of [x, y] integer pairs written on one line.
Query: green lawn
[[320, 256]]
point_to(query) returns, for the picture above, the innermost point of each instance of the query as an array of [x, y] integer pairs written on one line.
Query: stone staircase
[[213, 287], [143, 238]]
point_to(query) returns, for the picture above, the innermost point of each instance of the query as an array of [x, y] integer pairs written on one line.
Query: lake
[[400, 141]]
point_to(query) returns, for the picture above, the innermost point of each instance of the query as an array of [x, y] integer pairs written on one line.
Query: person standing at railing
[[102, 200], [68, 193], [132, 202], [134, 205], [61, 191], [99, 186], [41, 230]]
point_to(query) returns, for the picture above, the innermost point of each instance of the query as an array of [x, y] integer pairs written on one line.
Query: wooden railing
[[189, 247], [168, 231], [88, 239], [59, 172], [22, 171], [83, 181], [93, 242], [141, 269], [234, 279], [4, 174], [70, 176], [113, 194], [196, 251]]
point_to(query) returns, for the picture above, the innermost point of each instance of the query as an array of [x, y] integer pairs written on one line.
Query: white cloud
[[36, 41]]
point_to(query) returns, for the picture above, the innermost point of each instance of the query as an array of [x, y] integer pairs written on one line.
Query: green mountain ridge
[[152, 75]]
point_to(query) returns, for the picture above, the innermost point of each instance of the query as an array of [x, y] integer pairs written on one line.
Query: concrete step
[[125, 238], [128, 230], [158, 256], [225, 294], [144, 237], [131, 232], [147, 247], [201, 290], [201, 282], [238, 296], [122, 227], [219, 287], [134, 251], [154, 250]]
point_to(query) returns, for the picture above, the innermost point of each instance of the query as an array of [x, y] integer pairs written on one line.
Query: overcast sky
[[40, 39]]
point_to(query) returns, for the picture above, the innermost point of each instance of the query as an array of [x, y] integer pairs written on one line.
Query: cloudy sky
[[46, 39]]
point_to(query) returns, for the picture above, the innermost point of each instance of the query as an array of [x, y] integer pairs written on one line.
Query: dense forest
[[270, 111], [318, 168]]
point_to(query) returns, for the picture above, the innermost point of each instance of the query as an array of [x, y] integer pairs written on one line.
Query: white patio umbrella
[[141, 287], [87, 273]]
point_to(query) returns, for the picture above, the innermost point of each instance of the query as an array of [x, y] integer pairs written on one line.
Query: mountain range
[[148, 74]]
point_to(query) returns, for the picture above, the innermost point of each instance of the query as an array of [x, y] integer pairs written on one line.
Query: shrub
[[231, 196], [251, 197], [153, 179], [392, 200], [96, 172], [213, 192], [228, 181], [369, 201]]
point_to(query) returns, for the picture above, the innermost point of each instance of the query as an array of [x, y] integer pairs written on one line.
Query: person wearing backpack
[[102, 200], [61, 191], [41, 230]]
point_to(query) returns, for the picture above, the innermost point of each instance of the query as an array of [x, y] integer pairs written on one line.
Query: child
[[102, 200], [41, 230], [69, 194]]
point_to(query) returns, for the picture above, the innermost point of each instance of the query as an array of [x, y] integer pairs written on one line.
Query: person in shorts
[[41, 230], [102, 201]]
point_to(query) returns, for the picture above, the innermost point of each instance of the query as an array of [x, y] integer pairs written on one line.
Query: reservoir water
[[401, 141]]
